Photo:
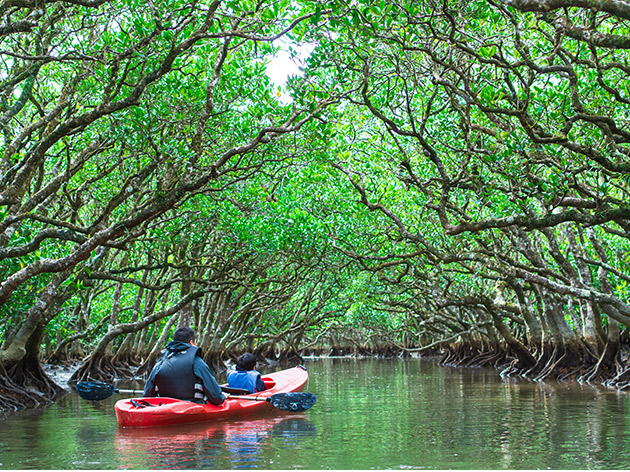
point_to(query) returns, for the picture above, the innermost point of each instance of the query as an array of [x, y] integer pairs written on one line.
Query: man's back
[[182, 373], [175, 376]]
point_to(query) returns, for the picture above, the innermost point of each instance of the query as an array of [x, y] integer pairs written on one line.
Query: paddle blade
[[293, 401], [95, 391]]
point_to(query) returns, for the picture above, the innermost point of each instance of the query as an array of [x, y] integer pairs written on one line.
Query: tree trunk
[[154, 354], [99, 366], [590, 332], [533, 326], [20, 359]]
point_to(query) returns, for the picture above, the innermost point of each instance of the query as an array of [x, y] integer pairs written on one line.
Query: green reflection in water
[[370, 413]]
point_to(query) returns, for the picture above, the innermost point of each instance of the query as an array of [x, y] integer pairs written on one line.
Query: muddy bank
[[60, 374]]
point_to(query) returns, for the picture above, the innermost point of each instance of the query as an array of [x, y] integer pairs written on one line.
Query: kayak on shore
[[163, 411]]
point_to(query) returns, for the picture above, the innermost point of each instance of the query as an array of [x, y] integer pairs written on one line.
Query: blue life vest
[[245, 379]]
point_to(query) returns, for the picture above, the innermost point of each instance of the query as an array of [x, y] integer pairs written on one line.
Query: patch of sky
[[289, 61]]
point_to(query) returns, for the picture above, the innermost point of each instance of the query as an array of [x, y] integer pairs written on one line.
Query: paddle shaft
[[246, 397], [122, 390]]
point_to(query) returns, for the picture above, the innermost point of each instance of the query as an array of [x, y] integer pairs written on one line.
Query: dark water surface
[[370, 414]]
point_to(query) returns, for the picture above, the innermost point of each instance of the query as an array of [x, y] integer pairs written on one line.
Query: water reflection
[[223, 444], [370, 414], [411, 414]]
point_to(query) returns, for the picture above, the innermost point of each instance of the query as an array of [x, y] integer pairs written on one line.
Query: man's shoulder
[[200, 362]]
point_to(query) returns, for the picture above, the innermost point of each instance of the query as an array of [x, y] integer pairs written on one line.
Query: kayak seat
[[269, 383]]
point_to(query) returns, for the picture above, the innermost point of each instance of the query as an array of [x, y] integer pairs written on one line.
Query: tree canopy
[[443, 175]]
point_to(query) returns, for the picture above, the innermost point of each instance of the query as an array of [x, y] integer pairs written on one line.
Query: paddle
[[97, 391], [292, 401]]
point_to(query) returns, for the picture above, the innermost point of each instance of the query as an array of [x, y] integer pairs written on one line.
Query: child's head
[[246, 361]]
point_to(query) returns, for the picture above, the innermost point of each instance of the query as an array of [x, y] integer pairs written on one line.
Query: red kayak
[[162, 411]]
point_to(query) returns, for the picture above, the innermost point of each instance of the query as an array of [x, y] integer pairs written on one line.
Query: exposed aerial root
[[101, 368], [607, 367], [22, 388], [579, 363], [477, 356]]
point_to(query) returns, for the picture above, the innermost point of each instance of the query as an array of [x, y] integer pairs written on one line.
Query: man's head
[[184, 334], [246, 361]]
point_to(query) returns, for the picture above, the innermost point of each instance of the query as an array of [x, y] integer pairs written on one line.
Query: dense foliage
[[444, 175]]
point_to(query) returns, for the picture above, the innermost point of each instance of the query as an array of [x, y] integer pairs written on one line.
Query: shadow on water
[[224, 444]]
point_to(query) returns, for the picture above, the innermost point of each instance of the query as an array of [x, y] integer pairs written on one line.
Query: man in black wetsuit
[[182, 373]]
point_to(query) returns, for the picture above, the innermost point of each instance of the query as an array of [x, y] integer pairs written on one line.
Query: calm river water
[[370, 414]]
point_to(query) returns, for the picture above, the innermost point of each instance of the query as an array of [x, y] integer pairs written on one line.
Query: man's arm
[[149, 387], [210, 386]]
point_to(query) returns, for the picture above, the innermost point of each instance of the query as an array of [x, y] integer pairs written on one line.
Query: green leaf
[[318, 14]]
